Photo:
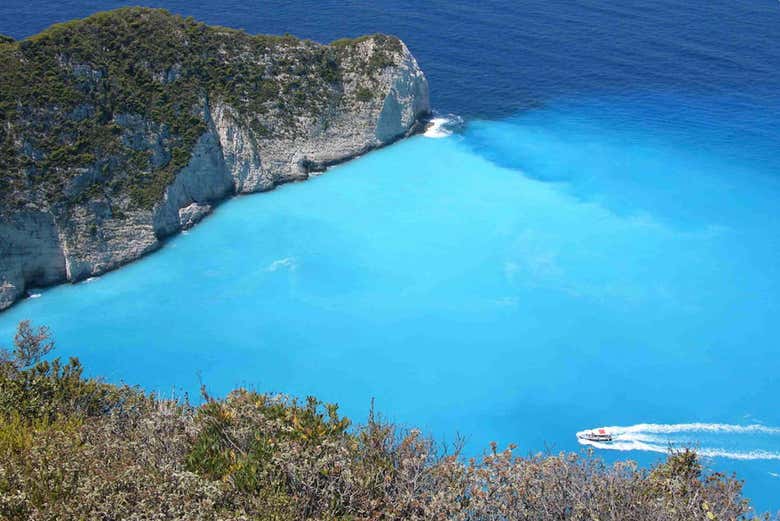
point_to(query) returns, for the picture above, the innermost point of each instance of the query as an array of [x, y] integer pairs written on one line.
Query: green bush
[[363, 94], [35, 389]]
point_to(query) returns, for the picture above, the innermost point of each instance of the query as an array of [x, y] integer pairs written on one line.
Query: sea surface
[[589, 237]]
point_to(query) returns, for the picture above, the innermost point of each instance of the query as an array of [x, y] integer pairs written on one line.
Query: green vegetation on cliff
[[76, 448], [111, 106]]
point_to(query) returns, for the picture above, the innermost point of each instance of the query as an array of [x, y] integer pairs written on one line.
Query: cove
[[517, 281]]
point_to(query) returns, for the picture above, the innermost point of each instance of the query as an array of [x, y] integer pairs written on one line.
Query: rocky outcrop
[[92, 242], [369, 106], [400, 101], [191, 215], [205, 179]]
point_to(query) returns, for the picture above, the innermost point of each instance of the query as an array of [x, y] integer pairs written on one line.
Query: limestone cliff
[[123, 128]]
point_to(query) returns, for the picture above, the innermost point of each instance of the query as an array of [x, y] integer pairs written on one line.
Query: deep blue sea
[[594, 238]]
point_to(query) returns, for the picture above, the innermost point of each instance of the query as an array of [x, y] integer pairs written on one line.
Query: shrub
[[47, 390], [363, 94]]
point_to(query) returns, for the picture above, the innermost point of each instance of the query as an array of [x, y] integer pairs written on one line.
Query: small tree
[[30, 346], [37, 387]]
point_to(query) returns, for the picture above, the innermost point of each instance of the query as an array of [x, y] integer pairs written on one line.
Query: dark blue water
[[492, 58], [598, 245]]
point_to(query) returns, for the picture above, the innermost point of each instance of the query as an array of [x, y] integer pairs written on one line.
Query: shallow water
[[596, 245]]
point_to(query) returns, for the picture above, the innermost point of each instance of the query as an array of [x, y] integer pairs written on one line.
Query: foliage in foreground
[[77, 448]]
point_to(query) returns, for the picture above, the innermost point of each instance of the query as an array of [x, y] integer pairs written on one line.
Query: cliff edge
[[125, 127]]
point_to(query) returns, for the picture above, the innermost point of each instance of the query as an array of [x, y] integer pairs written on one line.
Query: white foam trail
[[35, 295], [707, 453], [661, 428], [90, 280], [661, 449], [648, 437], [625, 445], [743, 455]]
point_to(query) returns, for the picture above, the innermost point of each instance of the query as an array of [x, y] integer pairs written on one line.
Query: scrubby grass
[[76, 448]]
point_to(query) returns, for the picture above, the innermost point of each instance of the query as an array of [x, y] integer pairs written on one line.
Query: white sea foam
[[288, 263], [664, 428], [436, 128], [35, 295], [634, 445], [90, 280], [743, 455], [440, 127], [649, 437], [626, 445]]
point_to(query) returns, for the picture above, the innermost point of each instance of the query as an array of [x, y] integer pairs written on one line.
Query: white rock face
[[30, 254], [41, 248], [406, 100], [239, 150], [204, 179], [399, 99], [91, 250]]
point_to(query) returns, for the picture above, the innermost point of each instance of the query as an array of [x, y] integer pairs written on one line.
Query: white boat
[[595, 435]]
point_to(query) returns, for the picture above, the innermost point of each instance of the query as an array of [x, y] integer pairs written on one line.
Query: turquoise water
[[517, 281]]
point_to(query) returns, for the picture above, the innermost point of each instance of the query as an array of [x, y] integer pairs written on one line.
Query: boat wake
[[443, 126], [713, 440]]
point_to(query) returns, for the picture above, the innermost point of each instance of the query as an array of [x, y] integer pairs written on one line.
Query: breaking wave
[[440, 127], [712, 440]]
